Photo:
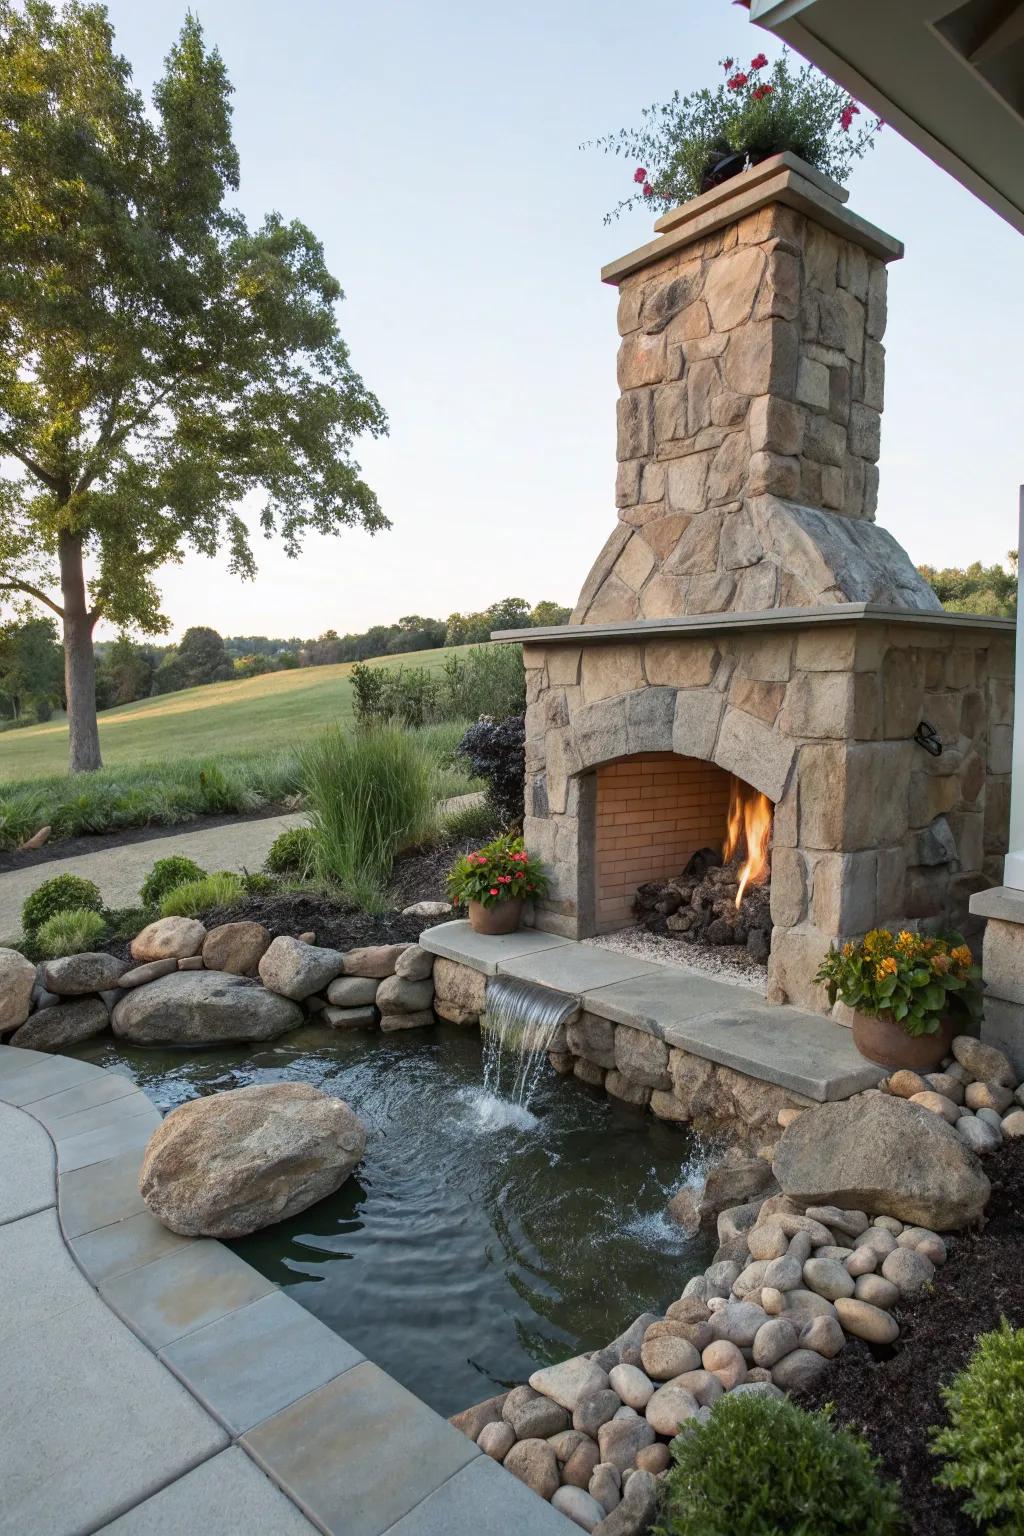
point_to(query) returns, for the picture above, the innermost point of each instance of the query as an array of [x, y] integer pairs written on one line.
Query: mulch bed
[[96, 842], [894, 1401]]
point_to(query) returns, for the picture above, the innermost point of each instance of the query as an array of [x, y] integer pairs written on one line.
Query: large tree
[[159, 359]]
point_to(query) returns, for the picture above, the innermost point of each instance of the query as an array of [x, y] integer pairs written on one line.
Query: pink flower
[[494, 890], [638, 175], [648, 189], [847, 115], [759, 61]]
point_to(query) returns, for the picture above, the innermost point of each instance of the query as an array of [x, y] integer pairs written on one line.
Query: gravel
[[723, 961]]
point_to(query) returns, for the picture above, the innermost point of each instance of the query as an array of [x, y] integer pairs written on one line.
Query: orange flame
[[749, 826]]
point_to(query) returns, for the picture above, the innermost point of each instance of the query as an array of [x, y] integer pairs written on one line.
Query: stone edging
[[350, 1447]]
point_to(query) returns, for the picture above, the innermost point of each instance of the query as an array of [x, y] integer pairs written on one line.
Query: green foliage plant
[[291, 853], [162, 359], [983, 1443], [195, 897], [911, 977], [476, 818], [976, 588], [165, 875], [500, 871], [70, 933], [757, 110], [369, 797], [488, 679], [764, 1467], [61, 893]]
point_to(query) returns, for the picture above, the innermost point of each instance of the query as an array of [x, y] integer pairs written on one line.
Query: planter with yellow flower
[[910, 994], [494, 882]]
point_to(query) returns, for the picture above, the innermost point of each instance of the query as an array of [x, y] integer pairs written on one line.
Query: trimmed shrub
[[496, 752], [165, 875], [192, 899], [369, 796], [257, 884], [761, 1466], [63, 893], [291, 853], [70, 933], [983, 1444]]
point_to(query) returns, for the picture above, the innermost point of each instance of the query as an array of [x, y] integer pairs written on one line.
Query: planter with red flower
[[494, 882], [691, 143]]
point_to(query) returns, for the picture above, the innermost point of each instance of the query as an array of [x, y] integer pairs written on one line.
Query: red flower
[[759, 61], [638, 175], [847, 115], [727, 64], [648, 189], [762, 91], [494, 890], [736, 82]]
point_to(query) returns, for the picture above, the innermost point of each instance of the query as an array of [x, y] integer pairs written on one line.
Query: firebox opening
[[683, 847]]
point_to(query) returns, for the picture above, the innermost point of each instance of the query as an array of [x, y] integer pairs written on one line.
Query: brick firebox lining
[[652, 813]]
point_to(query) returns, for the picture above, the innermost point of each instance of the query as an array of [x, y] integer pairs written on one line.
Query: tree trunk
[[79, 661]]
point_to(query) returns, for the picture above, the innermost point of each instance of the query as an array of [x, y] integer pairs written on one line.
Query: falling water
[[519, 1028]]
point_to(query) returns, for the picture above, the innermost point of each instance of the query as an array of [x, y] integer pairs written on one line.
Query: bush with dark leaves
[[496, 752]]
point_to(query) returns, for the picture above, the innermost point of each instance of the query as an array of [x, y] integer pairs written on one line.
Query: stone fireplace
[[747, 623]]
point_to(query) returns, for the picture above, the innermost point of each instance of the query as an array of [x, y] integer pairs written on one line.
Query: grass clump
[[291, 853], [195, 897], [762, 1466], [61, 893], [477, 820], [983, 1443], [369, 796], [166, 875], [70, 933]]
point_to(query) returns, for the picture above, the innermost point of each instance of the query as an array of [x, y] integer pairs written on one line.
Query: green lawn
[[249, 715]]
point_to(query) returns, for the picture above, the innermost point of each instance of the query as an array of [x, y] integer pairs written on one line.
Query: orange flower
[[961, 955], [886, 967]]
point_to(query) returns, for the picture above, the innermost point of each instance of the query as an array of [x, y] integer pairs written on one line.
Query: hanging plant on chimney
[[690, 144]]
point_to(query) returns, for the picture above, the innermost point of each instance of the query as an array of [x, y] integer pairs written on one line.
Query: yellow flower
[[907, 941], [886, 967], [847, 951], [874, 940], [961, 955]]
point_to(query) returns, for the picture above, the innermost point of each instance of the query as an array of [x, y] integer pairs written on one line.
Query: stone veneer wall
[[635, 1067], [651, 813], [751, 371], [869, 829]]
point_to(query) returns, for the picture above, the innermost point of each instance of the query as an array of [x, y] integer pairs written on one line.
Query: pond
[[477, 1240]]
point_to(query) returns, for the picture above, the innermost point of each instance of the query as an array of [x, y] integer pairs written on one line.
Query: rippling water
[[478, 1239]]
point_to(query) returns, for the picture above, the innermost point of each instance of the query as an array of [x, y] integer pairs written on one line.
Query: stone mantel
[[697, 624]]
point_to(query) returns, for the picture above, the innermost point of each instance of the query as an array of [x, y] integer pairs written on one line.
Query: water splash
[[519, 1028]]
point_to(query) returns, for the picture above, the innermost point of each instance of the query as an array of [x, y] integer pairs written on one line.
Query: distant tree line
[[990, 589], [32, 665]]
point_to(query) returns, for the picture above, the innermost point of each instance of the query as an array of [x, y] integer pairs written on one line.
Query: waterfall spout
[[522, 1023]]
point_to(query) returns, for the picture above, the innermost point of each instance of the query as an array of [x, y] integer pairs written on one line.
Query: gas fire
[[749, 828]]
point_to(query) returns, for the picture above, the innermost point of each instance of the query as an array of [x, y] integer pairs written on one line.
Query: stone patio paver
[[26, 1158], [184, 1290], [477, 1502], [484, 952], [226, 1496]]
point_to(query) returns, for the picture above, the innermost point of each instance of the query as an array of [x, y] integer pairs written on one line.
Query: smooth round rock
[[801, 1246], [823, 1335], [767, 1241], [784, 1274], [168, 938], [537, 1418], [535, 1464], [579, 1467], [876, 1289], [716, 1302], [578, 1506], [889, 1224], [703, 1385], [669, 1408], [878, 1240], [496, 1440], [772, 1301], [849, 1223], [1013, 1123], [751, 1279], [909, 1271], [724, 1274], [698, 1333], [991, 1117], [738, 1322], [591, 1412], [803, 1305], [663, 1358], [568, 1382], [938, 1104], [933, 1248], [78, 975], [945, 1083], [774, 1339], [631, 1384], [621, 1439], [799, 1370], [17, 981], [976, 1095], [985, 1063], [195, 1008], [981, 1138], [866, 1322], [905, 1084], [828, 1278], [236, 947], [653, 1458], [63, 1024], [564, 1444], [606, 1484], [724, 1360]]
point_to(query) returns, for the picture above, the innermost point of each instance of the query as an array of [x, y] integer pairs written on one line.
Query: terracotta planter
[[503, 917], [886, 1042]]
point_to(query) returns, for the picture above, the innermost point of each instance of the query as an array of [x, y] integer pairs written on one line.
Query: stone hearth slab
[[478, 1502], [726, 1024], [578, 968], [483, 952]]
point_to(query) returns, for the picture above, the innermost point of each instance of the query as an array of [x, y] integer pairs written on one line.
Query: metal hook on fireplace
[[928, 737]]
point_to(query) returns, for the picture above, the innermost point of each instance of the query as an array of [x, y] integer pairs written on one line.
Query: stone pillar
[[751, 373]]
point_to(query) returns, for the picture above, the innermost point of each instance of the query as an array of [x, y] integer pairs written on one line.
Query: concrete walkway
[[119, 872], [154, 1385]]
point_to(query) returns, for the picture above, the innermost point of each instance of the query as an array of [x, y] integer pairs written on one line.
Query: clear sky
[[434, 150]]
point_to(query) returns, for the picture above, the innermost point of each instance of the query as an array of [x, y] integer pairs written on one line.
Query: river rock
[[534, 1463], [592, 1412], [376, 960], [828, 1277], [866, 1322], [908, 1270], [724, 1273], [878, 1241], [981, 1138], [751, 1279], [669, 1408], [472, 1420], [991, 1117], [352, 991], [945, 1083], [977, 1096], [639, 1505], [774, 1339], [847, 1223], [798, 1371], [348, 1018], [785, 1274], [17, 979], [236, 947], [938, 1105], [569, 1381], [824, 1335], [620, 1439], [168, 938], [724, 1360], [1013, 1123], [632, 1385], [802, 1306], [738, 1322], [578, 1506], [579, 1467], [414, 963], [606, 1484], [536, 1417], [142, 975], [905, 1084], [698, 1333], [438, 910], [396, 994], [296, 970], [767, 1241], [879, 1291], [653, 1458], [231, 1163], [202, 1008], [882, 1154], [773, 1300], [53, 1029], [985, 1063], [663, 1358], [421, 1019], [863, 1261], [496, 1440], [79, 975]]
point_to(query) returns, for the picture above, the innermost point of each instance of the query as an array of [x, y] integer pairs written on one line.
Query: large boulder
[[169, 938], [202, 1008], [234, 1162], [78, 975], [882, 1154], [296, 969], [64, 1024], [236, 947], [17, 978]]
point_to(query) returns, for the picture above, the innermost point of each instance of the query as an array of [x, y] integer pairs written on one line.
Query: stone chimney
[[751, 373]]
